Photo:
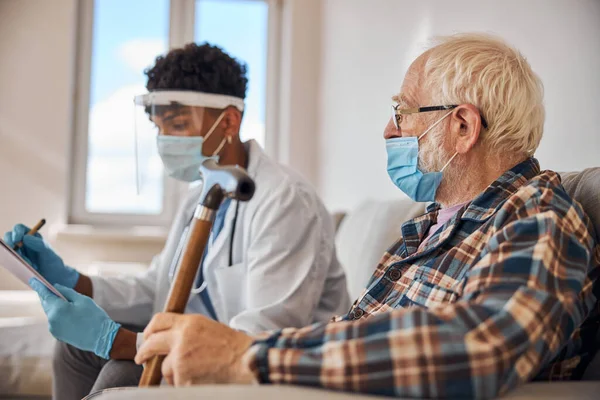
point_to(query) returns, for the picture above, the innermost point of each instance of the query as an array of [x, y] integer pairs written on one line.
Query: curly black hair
[[203, 68]]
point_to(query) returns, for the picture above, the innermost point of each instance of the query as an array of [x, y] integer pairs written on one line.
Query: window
[[240, 28], [117, 41]]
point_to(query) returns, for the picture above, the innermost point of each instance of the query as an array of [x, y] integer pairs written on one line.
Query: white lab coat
[[285, 272]]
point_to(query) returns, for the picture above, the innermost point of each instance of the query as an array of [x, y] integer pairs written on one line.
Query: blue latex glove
[[79, 322], [41, 257]]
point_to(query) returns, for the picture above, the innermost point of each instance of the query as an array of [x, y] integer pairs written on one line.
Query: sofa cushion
[[25, 346], [584, 187], [531, 391], [365, 234]]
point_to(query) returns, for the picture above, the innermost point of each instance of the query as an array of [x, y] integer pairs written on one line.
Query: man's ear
[[465, 126], [231, 122]]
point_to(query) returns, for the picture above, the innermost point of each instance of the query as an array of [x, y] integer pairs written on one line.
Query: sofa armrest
[[579, 390]]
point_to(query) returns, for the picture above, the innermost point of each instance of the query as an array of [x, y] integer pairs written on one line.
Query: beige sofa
[[25, 343], [362, 237]]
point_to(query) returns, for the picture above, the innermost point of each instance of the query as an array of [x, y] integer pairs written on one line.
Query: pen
[[33, 231]]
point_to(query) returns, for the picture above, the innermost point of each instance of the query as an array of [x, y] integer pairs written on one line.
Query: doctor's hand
[[79, 321], [41, 257], [198, 350]]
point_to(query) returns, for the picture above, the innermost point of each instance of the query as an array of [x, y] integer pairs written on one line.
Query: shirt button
[[357, 313], [394, 275]]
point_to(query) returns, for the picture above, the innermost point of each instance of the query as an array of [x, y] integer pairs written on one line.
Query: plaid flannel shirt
[[496, 297]]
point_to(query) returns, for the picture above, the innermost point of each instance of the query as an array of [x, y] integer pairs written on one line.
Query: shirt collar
[[486, 204], [255, 153]]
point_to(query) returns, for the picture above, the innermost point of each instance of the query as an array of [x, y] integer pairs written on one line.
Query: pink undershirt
[[444, 215]]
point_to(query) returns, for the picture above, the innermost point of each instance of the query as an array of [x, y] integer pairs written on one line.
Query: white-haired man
[[491, 288]]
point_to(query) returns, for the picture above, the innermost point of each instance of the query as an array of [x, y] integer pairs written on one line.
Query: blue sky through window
[[127, 37], [118, 26], [240, 28]]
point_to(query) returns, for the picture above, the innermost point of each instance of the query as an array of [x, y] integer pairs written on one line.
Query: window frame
[[181, 31]]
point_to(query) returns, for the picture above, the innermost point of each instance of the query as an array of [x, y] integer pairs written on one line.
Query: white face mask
[[182, 155]]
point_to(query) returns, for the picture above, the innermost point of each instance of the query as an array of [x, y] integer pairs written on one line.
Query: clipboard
[[14, 263]]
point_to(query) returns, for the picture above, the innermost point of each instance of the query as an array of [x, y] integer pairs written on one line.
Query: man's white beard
[[432, 156]]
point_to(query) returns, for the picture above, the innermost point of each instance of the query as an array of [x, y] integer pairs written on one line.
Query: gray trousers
[[78, 373]]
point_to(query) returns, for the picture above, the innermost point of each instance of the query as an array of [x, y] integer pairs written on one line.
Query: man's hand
[[198, 350]]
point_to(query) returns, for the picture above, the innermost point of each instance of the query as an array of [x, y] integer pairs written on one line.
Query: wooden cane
[[218, 182], [180, 288], [182, 284]]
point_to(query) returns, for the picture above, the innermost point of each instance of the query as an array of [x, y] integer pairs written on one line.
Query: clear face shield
[[170, 130]]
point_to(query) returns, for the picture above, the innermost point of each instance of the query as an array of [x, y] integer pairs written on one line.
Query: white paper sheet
[[13, 262]]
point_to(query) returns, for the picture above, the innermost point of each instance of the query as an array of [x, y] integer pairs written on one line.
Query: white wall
[[35, 72], [297, 112], [368, 45]]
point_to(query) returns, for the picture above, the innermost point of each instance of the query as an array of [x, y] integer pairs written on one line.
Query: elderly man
[[491, 288]]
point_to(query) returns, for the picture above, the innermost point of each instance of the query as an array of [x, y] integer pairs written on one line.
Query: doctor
[[270, 262]]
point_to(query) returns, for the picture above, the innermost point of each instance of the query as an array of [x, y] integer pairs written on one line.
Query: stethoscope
[[183, 241]]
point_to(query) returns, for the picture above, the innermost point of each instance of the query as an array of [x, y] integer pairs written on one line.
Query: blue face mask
[[403, 158], [182, 155]]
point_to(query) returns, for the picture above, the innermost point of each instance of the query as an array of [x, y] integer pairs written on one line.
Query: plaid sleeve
[[520, 303]]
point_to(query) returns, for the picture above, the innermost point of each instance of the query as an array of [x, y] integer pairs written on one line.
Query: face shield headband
[[150, 105]]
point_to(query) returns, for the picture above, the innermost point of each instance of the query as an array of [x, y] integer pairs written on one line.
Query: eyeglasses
[[398, 113]]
